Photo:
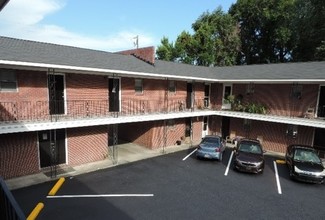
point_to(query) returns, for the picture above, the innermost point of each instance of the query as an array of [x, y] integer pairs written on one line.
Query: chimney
[[146, 54]]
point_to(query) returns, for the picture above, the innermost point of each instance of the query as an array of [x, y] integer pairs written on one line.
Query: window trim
[[138, 89], [4, 79], [172, 86]]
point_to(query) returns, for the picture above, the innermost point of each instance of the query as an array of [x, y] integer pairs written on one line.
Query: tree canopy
[[253, 31]]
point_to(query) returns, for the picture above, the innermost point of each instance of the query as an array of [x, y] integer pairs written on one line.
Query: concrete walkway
[[128, 152]]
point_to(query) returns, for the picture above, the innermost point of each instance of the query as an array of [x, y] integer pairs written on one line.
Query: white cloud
[[22, 19]]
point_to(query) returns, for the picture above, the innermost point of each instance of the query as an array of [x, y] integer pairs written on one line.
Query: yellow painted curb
[[56, 186], [280, 161], [33, 215]]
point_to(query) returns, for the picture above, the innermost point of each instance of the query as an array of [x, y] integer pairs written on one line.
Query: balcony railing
[[81, 109]]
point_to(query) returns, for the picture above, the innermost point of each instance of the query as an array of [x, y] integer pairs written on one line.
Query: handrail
[[8, 205], [40, 111]]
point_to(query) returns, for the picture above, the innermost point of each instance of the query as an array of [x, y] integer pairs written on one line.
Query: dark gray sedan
[[211, 147], [304, 164], [249, 156]]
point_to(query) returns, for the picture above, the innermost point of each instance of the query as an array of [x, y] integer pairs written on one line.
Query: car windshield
[[250, 148], [306, 155], [211, 140]]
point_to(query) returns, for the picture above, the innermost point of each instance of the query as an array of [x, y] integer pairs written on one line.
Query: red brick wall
[[215, 124], [18, 156], [146, 53], [216, 95], [197, 126], [278, 98], [151, 134], [87, 144], [139, 133], [274, 134], [86, 87], [22, 105]]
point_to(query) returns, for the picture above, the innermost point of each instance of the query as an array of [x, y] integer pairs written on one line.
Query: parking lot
[[178, 186]]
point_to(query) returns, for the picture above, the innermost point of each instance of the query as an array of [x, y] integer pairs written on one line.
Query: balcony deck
[[35, 116]]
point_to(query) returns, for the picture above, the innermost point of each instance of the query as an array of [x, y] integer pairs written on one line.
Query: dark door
[[225, 126], [114, 95], [206, 96], [188, 127], [321, 102], [56, 94], [189, 98], [52, 147]]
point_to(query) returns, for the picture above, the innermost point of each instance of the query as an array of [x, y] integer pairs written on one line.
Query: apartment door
[[56, 94], [190, 96], [321, 103], [206, 96], [188, 127], [114, 95], [227, 91], [205, 128], [52, 147], [225, 127]]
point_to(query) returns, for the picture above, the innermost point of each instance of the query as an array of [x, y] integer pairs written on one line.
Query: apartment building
[[67, 106]]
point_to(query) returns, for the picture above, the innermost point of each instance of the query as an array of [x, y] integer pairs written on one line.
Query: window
[[171, 123], [172, 86], [138, 86], [296, 91], [292, 131], [250, 88], [8, 80]]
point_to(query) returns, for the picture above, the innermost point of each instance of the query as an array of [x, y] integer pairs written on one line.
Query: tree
[[217, 38], [265, 30], [166, 50], [215, 42], [309, 30]]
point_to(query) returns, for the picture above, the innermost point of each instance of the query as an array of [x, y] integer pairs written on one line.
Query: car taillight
[[217, 149]]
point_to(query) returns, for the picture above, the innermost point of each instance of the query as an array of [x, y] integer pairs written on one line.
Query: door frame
[[205, 126], [119, 93], [65, 148], [64, 93]]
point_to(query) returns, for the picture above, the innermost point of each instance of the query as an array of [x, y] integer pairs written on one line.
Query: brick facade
[[18, 156], [87, 144]]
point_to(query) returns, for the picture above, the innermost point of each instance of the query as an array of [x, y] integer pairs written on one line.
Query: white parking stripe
[[277, 178], [99, 196], [229, 162], [189, 154]]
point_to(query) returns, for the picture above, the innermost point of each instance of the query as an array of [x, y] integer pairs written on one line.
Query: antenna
[[136, 42]]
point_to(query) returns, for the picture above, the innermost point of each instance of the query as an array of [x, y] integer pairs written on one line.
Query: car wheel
[[220, 157], [291, 174]]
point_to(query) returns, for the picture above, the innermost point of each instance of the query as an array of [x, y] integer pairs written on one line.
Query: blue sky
[[108, 25]]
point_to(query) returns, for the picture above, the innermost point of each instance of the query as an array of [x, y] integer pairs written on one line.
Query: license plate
[[207, 156]]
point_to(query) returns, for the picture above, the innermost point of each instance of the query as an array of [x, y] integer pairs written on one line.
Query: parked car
[[211, 147], [249, 156], [304, 164]]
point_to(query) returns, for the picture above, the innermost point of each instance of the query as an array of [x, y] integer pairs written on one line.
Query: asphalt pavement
[[177, 186]]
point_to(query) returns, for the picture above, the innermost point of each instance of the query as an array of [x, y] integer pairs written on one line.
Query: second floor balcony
[[42, 115]]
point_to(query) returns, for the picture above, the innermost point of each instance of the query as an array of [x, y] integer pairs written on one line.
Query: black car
[[304, 164], [249, 156]]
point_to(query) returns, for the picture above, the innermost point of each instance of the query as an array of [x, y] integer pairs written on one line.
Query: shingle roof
[[45, 53]]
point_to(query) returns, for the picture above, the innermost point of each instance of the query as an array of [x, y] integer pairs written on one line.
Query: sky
[[108, 25]]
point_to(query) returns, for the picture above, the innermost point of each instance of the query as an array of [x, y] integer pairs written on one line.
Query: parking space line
[[277, 178], [99, 196], [190, 154], [229, 162]]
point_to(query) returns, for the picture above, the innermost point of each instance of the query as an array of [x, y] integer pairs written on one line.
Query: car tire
[[291, 174], [220, 157]]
